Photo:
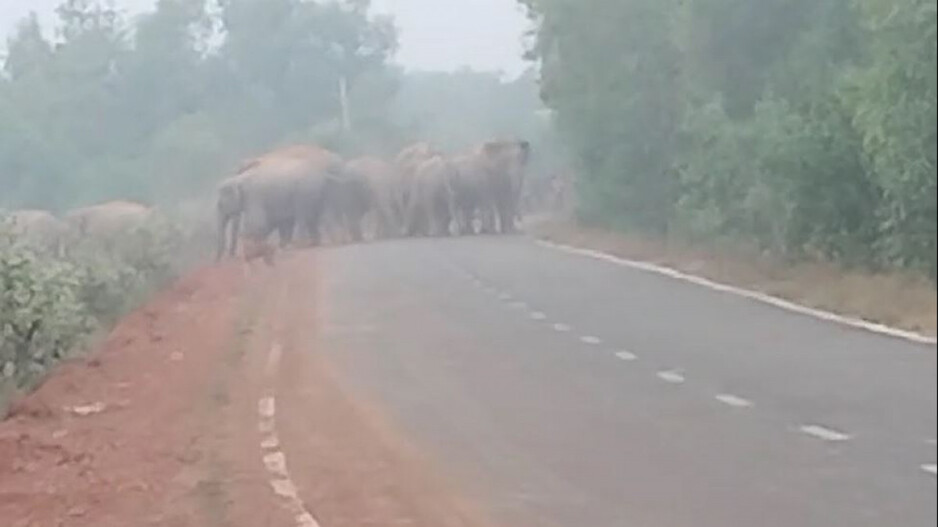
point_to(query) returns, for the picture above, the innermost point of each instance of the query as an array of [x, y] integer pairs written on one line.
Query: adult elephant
[[382, 183], [38, 228], [407, 162], [107, 221], [430, 210], [276, 192], [468, 192], [350, 201], [489, 183]]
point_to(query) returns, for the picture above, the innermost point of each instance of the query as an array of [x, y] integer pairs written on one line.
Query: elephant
[[276, 191], [430, 210], [349, 202], [107, 221], [467, 193], [406, 163], [229, 206], [383, 182], [489, 182], [39, 229]]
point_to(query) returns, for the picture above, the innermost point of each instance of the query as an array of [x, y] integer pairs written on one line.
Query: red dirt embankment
[[159, 427]]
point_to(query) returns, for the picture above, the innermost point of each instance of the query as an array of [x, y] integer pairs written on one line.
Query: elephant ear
[[247, 165], [492, 148], [525, 150]]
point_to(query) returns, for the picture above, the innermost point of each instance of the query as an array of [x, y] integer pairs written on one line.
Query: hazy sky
[[435, 34]]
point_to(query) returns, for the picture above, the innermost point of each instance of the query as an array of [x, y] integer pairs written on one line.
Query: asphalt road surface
[[560, 390]]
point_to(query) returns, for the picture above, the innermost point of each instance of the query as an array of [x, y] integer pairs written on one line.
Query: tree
[[803, 127]]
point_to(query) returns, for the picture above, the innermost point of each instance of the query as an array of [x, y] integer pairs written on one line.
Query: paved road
[[565, 391]]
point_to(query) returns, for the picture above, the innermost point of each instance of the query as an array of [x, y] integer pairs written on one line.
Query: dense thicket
[[806, 127]]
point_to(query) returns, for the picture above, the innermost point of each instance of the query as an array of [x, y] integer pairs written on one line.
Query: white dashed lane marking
[[284, 487], [824, 433], [266, 407], [276, 463], [270, 442], [672, 377], [265, 426], [734, 400]]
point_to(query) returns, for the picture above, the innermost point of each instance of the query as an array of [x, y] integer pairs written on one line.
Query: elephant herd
[[420, 192], [103, 221]]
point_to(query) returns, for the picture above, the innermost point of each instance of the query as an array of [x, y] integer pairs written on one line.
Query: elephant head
[[501, 165], [229, 206]]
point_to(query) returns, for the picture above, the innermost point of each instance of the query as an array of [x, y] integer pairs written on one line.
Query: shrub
[[50, 304]]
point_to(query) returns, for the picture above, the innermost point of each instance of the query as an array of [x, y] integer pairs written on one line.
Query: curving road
[[559, 390]]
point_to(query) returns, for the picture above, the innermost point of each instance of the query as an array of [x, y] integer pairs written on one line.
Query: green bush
[[42, 317], [49, 305]]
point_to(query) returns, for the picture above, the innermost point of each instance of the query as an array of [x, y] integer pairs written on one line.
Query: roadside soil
[[160, 426], [895, 299]]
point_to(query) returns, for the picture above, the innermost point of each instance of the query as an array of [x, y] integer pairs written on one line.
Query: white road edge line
[[747, 293], [627, 356], [931, 469], [734, 400], [824, 433], [273, 360], [274, 459], [672, 377]]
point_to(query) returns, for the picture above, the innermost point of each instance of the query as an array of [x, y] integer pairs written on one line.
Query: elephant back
[[39, 228], [109, 218]]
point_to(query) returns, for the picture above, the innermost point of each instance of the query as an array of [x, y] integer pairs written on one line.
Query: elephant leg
[[312, 221], [446, 219], [412, 218], [235, 236], [506, 217], [285, 231], [221, 237], [487, 220], [355, 227]]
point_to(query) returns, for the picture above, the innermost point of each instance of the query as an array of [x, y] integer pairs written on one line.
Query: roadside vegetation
[[802, 129], [52, 303]]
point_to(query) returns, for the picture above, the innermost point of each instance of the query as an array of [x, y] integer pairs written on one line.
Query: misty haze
[[468, 263]]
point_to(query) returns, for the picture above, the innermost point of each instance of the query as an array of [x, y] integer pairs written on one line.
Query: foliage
[[41, 315], [50, 304], [159, 107], [804, 127]]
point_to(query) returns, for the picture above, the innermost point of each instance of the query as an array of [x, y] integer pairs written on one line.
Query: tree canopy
[[805, 127]]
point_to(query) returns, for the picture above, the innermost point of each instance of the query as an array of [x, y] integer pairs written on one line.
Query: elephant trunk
[[222, 235]]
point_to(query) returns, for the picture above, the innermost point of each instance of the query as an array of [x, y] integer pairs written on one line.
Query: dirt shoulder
[[160, 426], [894, 299]]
